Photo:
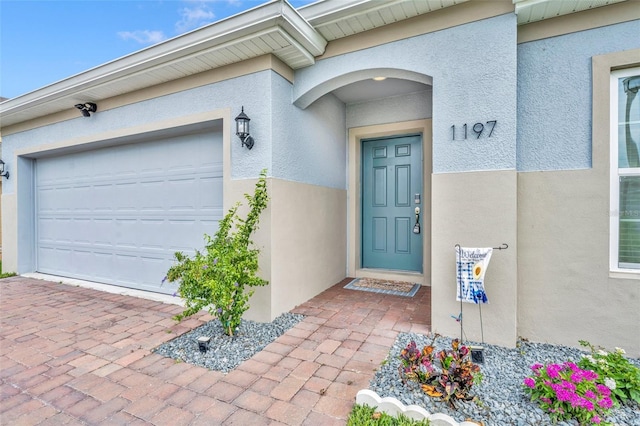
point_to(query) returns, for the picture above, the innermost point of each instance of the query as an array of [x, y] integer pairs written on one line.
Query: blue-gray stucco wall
[[255, 97], [473, 67], [308, 145], [555, 95]]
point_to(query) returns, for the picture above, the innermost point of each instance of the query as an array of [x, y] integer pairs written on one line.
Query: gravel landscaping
[[226, 353], [500, 395], [500, 398]]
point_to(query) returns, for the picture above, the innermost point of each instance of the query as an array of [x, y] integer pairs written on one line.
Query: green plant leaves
[[451, 380], [217, 278], [614, 371]]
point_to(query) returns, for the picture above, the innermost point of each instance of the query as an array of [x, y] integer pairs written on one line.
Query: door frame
[[354, 206]]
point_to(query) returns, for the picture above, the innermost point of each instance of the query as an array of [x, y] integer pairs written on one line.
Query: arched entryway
[[388, 129]]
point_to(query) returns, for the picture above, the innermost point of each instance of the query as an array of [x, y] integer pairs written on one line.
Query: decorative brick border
[[393, 407]]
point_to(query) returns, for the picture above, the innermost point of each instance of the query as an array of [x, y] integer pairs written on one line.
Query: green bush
[[216, 278], [614, 371], [363, 415]]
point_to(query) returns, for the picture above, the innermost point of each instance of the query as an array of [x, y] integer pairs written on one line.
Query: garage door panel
[[84, 262], [152, 195], [211, 199], [152, 236], [125, 268], [101, 232], [153, 270], [83, 231], [103, 266], [56, 230], [185, 231], [51, 257], [127, 234], [47, 230], [118, 214]]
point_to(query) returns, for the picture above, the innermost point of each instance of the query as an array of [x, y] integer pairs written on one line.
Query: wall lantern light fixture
[[2, 171], [87, 108], [242, 129]]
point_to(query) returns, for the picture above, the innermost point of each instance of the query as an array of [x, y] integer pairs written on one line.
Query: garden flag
[[471, 264]]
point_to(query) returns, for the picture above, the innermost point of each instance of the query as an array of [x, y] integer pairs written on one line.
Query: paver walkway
[[72, 355]]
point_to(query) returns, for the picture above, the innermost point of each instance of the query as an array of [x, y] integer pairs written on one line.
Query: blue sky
[[45, 41]]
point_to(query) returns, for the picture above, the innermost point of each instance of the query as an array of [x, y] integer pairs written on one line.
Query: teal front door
[[391, 192]]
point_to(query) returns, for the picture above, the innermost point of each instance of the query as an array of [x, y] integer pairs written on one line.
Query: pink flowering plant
[[566, 392]]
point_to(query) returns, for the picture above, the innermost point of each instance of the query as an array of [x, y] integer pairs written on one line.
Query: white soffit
[[343, 18], [529, 11], [273, 28]]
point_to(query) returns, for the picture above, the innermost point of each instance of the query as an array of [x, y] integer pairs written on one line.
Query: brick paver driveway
[[71, 355]]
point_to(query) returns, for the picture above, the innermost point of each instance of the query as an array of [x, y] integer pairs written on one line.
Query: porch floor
[[71, 355]]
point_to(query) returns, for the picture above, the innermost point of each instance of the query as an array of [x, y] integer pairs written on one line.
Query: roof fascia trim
[[584, 20], [277, 15], [301, 30], [327, 11]]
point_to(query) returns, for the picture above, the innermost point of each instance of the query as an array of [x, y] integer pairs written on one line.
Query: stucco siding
[[260, 302], [486, 216], [473, 67], [565, 293], [302, 243], [308, 144], [308, 243], [255, 97], [555, 97]]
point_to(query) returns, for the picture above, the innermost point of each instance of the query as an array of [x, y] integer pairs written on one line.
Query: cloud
[[194, 16], [143, 36]]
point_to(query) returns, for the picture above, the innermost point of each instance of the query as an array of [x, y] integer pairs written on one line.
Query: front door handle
[[416, 227]]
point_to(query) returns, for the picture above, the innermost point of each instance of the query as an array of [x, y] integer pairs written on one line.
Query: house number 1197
[[476, 130]]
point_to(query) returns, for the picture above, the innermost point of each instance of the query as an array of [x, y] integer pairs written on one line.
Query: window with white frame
[[625, 170]]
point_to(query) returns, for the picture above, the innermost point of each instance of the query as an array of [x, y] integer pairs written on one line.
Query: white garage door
[[117, 215]]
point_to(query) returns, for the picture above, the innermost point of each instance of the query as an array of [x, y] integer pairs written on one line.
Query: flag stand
[[477, 354]]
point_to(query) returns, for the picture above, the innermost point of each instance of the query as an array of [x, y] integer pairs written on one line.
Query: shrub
[[363, 415], [568, 392], [450, 378], [216, 278], [614, 371]]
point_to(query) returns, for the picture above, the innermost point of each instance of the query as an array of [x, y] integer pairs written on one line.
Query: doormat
[[394, 288]]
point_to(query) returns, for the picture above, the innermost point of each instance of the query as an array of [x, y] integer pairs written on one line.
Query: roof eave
[[273, 15]]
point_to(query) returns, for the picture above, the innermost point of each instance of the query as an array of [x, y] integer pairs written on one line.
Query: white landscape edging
[[393, 407]]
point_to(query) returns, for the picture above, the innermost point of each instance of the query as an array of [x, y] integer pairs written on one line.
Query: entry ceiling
[[367, 90]]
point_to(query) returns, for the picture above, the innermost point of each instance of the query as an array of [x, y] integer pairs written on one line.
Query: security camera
[[87, 108]]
